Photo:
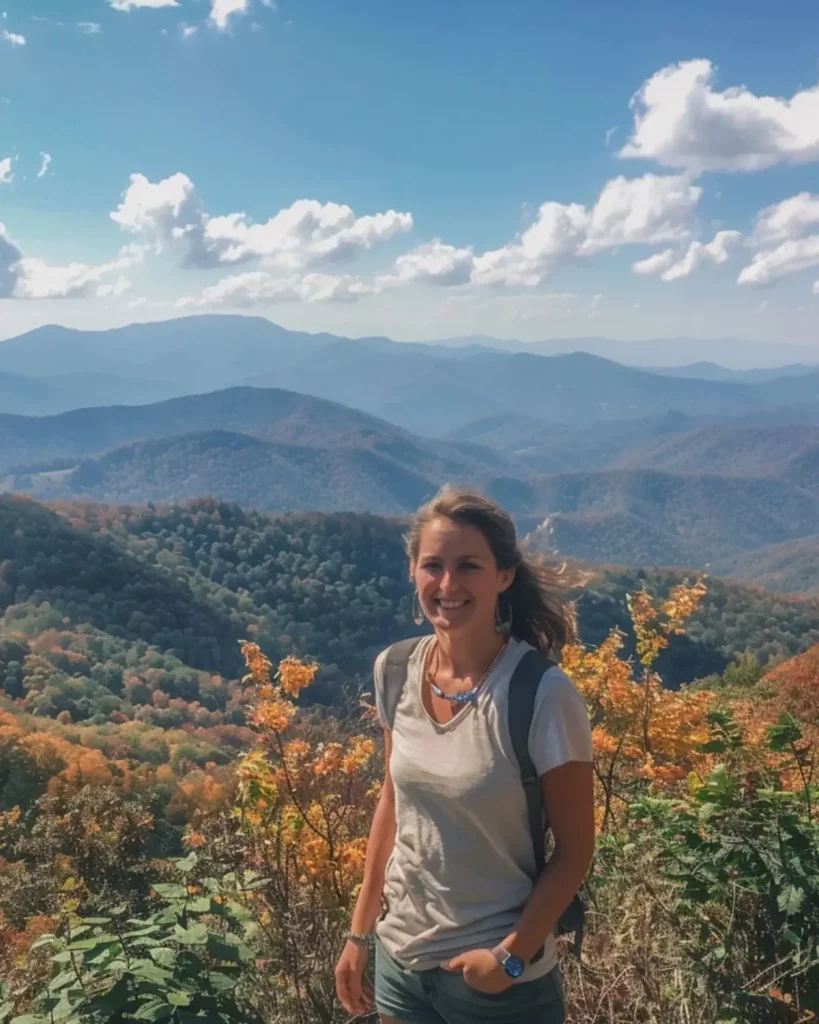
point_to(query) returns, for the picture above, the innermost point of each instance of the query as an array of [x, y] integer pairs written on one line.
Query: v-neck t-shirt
[[462, 866]]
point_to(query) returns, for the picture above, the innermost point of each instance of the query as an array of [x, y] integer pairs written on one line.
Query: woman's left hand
[[480, 971]]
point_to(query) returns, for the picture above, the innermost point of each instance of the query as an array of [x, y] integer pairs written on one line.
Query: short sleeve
[[378, 687], [561, 730]]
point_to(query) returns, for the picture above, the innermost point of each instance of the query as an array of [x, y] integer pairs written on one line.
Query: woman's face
[[457, 578]]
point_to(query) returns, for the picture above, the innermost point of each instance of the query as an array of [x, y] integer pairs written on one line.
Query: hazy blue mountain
[[432, 396], [428, 389], [711, 371], [784, 451], [657, 353], [40, 396], [269, 415]]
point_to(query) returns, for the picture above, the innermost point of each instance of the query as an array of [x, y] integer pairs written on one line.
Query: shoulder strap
[[395, 673], [522, 692]]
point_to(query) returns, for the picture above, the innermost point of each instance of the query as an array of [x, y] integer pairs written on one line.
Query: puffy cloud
[[790, 257], [789, 219], [787, 224], [641, 211], [816, 287], [90, 28], [188, 30], [223, 10], [28, 277], [435, 262], [682, 121], [10, 256], [131, 5], [656, 264], [13, 38], [6, 173], [258, 287], [629, 211], [170, 216], [119, 287], [670, 268], [45, 163]]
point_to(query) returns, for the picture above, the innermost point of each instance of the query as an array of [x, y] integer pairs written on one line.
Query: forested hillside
[[189, 581]]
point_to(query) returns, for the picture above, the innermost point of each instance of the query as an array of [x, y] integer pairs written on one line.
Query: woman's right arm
[[353, 990]]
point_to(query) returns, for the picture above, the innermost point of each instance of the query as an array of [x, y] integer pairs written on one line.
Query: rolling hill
[[429, 389], [267, 414]]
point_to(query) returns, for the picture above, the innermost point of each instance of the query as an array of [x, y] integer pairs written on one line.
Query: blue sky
[[420, 170]]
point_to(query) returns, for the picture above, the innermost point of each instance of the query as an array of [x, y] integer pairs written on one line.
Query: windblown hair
[[541, 612]]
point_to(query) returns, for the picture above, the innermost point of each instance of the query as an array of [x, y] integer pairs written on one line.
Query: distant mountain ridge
[[429, 389]]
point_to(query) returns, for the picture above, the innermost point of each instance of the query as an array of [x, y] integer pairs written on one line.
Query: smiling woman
[[456, 901]]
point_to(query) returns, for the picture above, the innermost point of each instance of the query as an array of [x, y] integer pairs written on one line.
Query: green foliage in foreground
[[744, 852], [183, 963]]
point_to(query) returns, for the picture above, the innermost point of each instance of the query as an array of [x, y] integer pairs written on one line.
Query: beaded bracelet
[[362, 939]]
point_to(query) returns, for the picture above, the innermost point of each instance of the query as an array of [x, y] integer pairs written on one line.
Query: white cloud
[[10, 256], [789, 219], [790, 257], [647, 210], [435, 263], [594, 306], [119, 287], [669, 267], [787, 224], [131, 5], [682, 121], [636, 211], [90, 28], [188, 31], [656, 264], [13, 38], [223, 10], [28, 277], [257, 287], [6, 173], [37, 279], [45, 163], [816, 287], [170, 216]]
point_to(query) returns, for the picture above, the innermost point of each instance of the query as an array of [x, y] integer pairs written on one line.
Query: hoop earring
[[503, 624], [417, 611]]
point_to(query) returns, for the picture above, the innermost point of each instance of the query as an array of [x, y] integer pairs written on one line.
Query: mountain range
[[597, 460], [428, 389]]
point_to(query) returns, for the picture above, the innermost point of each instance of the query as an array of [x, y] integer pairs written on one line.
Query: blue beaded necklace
[[466, 696]]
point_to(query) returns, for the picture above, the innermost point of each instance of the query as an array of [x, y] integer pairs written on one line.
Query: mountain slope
[[268, 414], [785, 568], [785, 451], [237, 467], [622, 515]]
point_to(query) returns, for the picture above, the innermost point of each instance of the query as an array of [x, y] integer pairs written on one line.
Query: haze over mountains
[[689, 466]]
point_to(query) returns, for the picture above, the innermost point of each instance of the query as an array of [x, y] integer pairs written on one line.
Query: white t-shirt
[[462, 867]]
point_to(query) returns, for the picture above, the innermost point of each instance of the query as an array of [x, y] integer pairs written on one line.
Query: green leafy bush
[[744, 851], [183, 963]]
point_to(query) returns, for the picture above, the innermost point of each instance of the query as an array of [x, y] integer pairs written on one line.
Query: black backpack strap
[[523, 687], [396, 663], [522, 692]]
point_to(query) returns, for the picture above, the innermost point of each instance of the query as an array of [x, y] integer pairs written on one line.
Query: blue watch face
[[514, 966]]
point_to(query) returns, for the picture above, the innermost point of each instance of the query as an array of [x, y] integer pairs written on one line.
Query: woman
[[465, 935]]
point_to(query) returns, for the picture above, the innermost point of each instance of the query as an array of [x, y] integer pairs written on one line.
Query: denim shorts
[[442, 997]]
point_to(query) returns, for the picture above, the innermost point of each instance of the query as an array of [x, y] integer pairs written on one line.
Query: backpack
[[522, 691]]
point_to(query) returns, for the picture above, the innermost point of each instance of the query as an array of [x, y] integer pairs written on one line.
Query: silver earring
[[503, 625], [417, 610]]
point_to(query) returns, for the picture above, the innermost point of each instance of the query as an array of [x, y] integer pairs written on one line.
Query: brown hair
[[541, 613]]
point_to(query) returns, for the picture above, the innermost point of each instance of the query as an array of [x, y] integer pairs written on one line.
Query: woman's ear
[[506, 578]]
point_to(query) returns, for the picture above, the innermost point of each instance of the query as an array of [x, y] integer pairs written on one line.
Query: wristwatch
[[512, 965]]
